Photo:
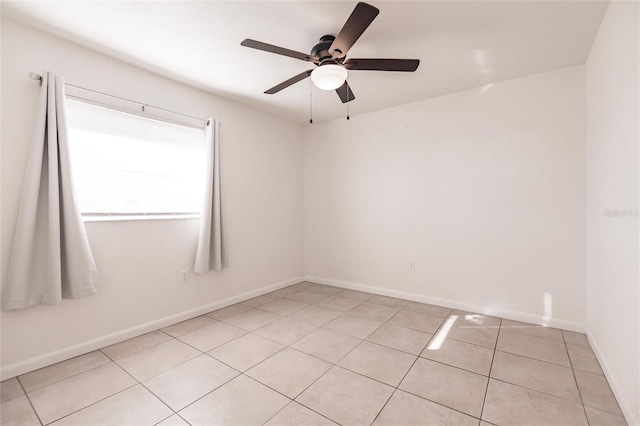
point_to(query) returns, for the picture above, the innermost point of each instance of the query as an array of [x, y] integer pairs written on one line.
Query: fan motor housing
[[321, 50]]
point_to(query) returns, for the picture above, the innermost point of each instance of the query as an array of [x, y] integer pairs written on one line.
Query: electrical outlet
[[185, 276], [412, 266]]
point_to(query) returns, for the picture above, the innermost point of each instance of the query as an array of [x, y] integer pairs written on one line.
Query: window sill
[[133, 217]]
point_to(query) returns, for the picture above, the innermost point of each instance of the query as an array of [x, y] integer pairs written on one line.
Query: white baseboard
[[630, 417], [454, 304], [45, 360]]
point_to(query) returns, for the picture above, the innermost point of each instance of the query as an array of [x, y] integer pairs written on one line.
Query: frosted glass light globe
[[329, 77]]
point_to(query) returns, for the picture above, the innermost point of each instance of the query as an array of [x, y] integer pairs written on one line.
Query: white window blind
[[133, 165]]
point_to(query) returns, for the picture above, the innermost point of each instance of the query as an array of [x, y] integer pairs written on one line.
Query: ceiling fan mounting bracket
[[327, 37], [321, 50]]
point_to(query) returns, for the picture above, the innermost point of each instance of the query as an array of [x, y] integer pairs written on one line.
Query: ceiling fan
[[329, 55]]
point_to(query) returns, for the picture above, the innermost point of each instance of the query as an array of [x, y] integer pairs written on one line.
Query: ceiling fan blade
[[278, 50], [407, 65], [361, 17], [345, 93], [287, 83]]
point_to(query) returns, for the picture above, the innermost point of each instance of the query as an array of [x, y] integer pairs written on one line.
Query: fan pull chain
[[348, 107], [348, 98], [310, 101]]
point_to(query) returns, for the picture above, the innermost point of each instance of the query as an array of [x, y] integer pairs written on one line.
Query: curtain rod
[[36, 76]]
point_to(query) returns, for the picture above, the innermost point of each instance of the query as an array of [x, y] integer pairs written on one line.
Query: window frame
[[131, 107]]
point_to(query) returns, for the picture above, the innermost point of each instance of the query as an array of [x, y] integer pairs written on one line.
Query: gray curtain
[[50, 257], [212, 253]]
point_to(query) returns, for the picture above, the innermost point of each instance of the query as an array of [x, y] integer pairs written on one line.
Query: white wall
[[140, 262], [483, 189], [612, 136]]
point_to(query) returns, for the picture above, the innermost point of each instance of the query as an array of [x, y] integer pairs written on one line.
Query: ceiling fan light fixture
[[329, 77]]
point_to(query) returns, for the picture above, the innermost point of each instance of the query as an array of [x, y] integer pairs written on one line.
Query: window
[[125, 164]]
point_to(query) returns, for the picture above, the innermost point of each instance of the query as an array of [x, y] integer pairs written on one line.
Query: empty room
[[320, 213]]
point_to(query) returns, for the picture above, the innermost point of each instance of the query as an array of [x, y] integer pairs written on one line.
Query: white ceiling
[[461, 44]]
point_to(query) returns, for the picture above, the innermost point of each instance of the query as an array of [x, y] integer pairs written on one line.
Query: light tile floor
[[311, 354]]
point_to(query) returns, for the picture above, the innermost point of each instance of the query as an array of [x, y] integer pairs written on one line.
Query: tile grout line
[[493, 357], [499, 350], [584, 409], [343, 357], [178, 411], [293, 401], [397, 388], [514, 329], [278, 412], [409, 369], [443, 319], [440, 404], [158, 397], [197, 399], [203, 396], [535, 359], [67, 377], [166, 418], [95, 402], [164, 371], [185, 420], [29, 400], [207, 351], [550, 395], [74, 375], [325, 373], [452, 366], [138, 382], [403, 377], [134, 352], [286, 396], [393, 392], [532, 389], [141, 384], [243, 373]]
